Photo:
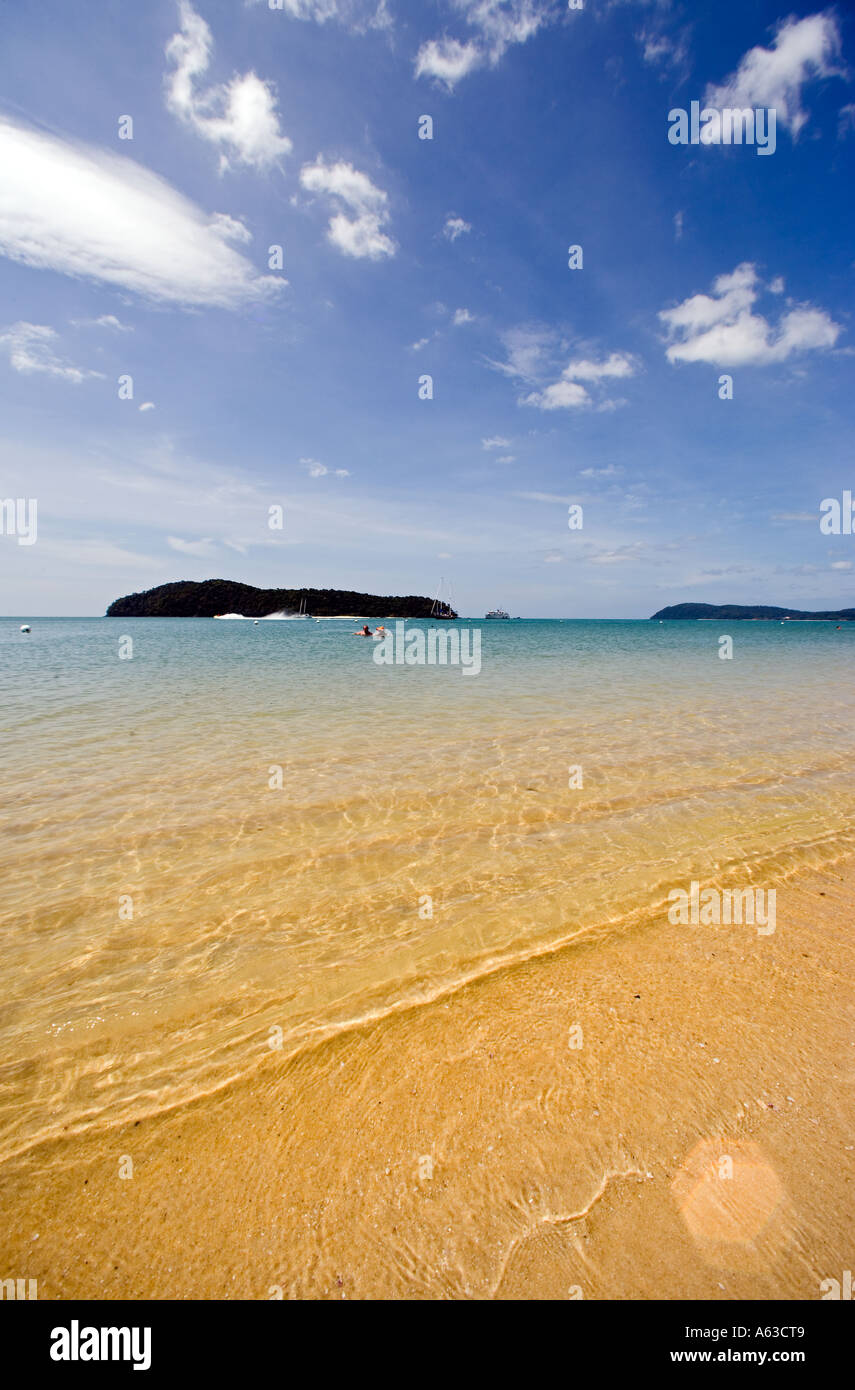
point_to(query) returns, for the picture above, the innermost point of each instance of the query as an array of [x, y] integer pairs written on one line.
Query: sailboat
[[300, 616], [442, 608]]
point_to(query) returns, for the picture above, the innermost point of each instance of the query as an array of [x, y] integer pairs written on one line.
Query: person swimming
[[365, 631]]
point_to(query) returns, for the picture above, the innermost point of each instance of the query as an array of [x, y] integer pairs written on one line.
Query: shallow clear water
[[168, 914]]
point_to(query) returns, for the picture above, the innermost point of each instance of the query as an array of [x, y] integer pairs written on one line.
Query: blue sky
[[299, 387]]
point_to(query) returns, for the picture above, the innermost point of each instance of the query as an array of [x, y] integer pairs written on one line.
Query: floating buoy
[[25, 627]]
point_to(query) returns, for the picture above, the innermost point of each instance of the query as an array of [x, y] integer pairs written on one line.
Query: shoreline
[[552, 1167]]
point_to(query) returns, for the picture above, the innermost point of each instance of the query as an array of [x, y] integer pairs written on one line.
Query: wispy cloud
[[320, 470], [572, 389], [447, 60], [199, 548], [105, 321], [239, 117], [356, 15], [527, 349], [498, 24], [81, 211], [361, 235], [774, 77], [455, 227], [31, 349], [662, 49]]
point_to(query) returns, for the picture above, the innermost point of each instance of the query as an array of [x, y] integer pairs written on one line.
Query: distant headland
[[187, 598], [733, 611]]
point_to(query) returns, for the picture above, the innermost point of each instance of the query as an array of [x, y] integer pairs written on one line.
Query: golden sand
[[666, 1112]]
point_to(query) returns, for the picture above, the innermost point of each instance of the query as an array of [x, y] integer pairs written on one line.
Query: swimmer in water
[[363, 632]]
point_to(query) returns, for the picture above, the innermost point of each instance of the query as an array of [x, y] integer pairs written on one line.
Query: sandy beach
[[478, 1147]]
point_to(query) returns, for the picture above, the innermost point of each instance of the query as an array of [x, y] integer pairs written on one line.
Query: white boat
[[279, 617], [442, 608], [497, 613], [300, 616]]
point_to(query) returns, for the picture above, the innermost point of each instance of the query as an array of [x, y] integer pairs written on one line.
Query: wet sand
[[658, 1113]]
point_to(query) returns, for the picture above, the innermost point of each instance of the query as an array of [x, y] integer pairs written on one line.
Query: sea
[[222, 838]]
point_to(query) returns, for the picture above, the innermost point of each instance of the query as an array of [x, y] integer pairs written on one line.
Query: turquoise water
[[273, 808]]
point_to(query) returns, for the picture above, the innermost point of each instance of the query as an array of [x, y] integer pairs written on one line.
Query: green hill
[[733, 611], [187, 598]]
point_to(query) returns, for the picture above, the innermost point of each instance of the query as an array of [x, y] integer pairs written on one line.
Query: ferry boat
[[497, 613]]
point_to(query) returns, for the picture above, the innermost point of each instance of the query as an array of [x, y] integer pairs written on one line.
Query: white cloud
[[240, 116], [455, 227], [568, 393], [447, 60], [662, 50], [84, 212], [507, 458], [617, 556], [358, 15], [841, 564], [544, 497], [846, 121], [722, 328], [499, 24], [561, 395], [610, 471], [618, 364], [359, 236], [462, 316], [774, 77], [531, 358], [496, 442], [417, 347], [526, 350], [678, 226], [30, 348], [199, 548], [147, 405], [320, 470], [110, 321]]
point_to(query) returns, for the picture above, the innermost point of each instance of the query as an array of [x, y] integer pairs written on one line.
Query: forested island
[[187, 598], [733, 611]]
